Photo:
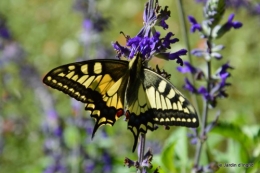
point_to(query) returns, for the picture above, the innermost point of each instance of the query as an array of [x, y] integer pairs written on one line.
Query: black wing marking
[[100, 84]]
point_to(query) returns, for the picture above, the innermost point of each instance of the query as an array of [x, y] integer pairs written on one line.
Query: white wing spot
[[174, 105], [171, 94], [188, 120], [103, 119], [75, 77], [114, 88], [143, 127], [186, 110], [54, 81], [96, 112], [194, 120], [151, 95], [48, 78], [70, 74], [168, 103], [97, 68], [161, 120], [178, 119], [183, 120], [162, 86], [71, 67], [82, 79], [172, 119], [158, 101], [72, 90], [84, 69], [181, 99], [164, 107], [88, 81], [61, 74], [179, 106]]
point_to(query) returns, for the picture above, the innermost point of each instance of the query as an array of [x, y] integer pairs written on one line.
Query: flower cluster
[[149, 41], [210, 29]]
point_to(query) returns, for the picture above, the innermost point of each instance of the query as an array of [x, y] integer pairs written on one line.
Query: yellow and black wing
[[100, 84], [157, 102]]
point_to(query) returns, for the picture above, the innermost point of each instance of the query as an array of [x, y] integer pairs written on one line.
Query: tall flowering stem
[[215, 83]]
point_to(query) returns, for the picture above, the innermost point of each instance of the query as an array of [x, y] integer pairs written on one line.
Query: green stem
[[202, 135], [187, 43]]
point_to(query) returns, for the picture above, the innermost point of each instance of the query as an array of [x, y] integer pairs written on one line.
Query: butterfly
[[113, 88]]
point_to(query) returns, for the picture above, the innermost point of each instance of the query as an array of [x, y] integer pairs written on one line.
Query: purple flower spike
[[195, 25]]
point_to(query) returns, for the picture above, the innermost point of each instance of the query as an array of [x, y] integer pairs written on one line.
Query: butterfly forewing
[[100, 84], [168, 105]]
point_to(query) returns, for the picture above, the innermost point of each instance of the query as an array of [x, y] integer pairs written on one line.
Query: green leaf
[[175, 153]]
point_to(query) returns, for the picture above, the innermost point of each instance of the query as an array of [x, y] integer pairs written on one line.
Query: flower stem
[[141, 152], [202, 135], [187, 43]]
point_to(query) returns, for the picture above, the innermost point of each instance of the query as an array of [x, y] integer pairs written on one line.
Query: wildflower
[[149, 41]]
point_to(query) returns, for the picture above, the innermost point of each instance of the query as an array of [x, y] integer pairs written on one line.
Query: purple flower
[[222, 71], [195, 25], [230, 24], [153, 16], [148, 41], [188, 86], [4, 32], [187, 68], [107, 167], [207, 96]]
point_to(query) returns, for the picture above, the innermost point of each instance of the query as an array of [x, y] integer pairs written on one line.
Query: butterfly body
[[112, 88]]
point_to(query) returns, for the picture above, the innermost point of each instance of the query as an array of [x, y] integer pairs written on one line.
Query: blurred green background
[[46, 34]]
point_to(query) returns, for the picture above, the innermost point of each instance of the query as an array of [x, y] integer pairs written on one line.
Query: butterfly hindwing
[[100, 84]]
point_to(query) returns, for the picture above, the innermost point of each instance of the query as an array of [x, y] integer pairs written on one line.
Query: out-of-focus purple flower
[[194, 24], [198, 52], [207, 96], [106, 158], [4, 32], [87, 24], [222, 71], [230, 24], [187, 68], [89, 165], [188, 86], [57, 166]]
